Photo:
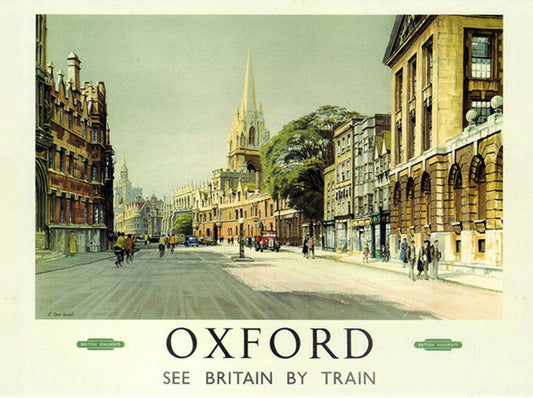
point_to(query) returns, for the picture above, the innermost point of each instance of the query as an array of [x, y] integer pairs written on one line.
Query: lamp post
[[241, 243]]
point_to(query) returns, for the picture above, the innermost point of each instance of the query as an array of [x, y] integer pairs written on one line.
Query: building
[[352, 194], [328, 225], [235, 197], [380, 218], [370, 221], [43, 136], [447, 170], [141, 217], [79, 162], [124, 191]]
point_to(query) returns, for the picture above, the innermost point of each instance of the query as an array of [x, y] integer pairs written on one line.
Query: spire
[[123, 165], [248, 96]]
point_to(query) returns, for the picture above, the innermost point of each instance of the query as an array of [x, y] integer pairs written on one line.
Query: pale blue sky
[[173, 82]]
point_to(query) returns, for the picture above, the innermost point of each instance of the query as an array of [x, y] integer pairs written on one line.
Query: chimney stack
[[73, 63]]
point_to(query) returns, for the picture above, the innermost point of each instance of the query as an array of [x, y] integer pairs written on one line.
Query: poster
[[459, 340]]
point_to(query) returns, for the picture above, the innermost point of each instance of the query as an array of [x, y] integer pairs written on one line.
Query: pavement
[[47, 261]]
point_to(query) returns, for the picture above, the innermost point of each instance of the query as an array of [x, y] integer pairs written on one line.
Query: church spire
[[248, 104]]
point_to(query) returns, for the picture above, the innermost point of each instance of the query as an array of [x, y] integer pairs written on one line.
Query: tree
[[183, 224], [294, 160]]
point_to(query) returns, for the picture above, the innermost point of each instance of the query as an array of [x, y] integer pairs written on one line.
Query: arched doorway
[[40, 205]]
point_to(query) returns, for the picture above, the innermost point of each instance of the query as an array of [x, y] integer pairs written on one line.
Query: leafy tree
[[183, 224], [294, 160]]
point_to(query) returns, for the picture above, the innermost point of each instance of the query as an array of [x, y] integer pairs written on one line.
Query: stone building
[[43, 137], [236, 196], [79, 162], [354, 192], [124, 192], [447, 175], [328, 225]]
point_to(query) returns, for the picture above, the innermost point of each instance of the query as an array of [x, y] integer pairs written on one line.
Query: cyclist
[[119, 247], [162, 245], [130, 244]]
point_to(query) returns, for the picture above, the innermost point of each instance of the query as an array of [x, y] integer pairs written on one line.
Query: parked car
[[267, 240], [208, 241], [192, 240]]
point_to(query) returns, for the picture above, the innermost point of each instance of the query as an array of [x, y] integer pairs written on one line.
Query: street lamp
[[241, 243]]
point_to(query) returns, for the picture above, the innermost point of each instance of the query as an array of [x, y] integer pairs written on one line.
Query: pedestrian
[[311, 247], [435, 258], [403, 250], [172, 243], [72, 244], [411, 259], [305, 248], [146, 240], [366, 251], [424, 258], [162, 242]]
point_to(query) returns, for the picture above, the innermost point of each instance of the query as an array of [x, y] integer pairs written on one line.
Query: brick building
[[79, 169]]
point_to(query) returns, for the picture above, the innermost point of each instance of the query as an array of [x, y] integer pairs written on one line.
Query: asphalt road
[[204, 283]]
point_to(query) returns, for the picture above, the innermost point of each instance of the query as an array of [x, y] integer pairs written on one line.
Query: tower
[[248, 130]]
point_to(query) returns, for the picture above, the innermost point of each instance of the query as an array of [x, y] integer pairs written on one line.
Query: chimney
[[73, 63]]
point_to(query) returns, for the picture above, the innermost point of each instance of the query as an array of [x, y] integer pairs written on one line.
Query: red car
[[267, 240]]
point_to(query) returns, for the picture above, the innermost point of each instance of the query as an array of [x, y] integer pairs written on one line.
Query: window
[[348, 169], [343, 168], [428, 62], [96, 214], [94, 173], [483, 109], [400, 146], [85, 214], [95, 135], [70, 120], [481, 56], [62, 210], [481, 246], [70, 161], [412, 77], [343, 146], [62, 161], [412, 138], [457, 246], [85, 129], [427, 128], [61, 115], [338, 148], [51, 158], [399, 90], [71, 205], [51, 208]]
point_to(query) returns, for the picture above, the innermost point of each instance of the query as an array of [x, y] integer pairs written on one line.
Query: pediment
[[404, 29]]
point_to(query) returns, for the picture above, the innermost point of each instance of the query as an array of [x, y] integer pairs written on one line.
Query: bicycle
[[119, 254], [129, 256], [161, 250]]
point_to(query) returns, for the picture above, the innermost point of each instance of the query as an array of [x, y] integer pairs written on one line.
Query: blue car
[[191, 240]]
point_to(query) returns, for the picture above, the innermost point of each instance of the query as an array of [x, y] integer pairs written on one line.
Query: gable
[[405, 29]]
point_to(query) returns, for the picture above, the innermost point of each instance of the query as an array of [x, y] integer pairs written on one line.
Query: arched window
[[410, 196], [426, 197], [456, 186], [251, 136], [481, 186]]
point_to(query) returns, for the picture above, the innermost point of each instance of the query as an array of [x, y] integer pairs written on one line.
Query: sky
[[173, 82]]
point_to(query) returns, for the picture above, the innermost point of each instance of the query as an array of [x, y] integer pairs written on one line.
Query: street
[[204, 283]]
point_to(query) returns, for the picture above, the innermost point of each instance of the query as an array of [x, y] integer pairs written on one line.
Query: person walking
[[305, 248], [172, 243], [311, 247], [72, 244], [162, 242], [366, 251], [435, 258], [425, 259], [146, 240], [403, 250], [411, 259]]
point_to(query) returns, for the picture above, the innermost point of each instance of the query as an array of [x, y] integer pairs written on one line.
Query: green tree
[[183, 224], [294, 160]]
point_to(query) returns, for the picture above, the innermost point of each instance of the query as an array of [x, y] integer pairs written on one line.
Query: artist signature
[[62, 314]]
